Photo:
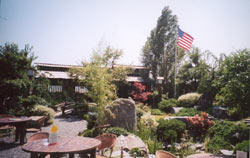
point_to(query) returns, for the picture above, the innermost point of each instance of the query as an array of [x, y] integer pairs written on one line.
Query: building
[[61, 82]]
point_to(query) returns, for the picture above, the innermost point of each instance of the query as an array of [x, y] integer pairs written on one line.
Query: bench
[[35, 124]]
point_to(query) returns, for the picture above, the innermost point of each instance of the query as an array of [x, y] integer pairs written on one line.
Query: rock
[[129, 142], [227, 152], [241, 154], [220, 112], [124, 113], [198, 146], [176, 109], [204, 101]]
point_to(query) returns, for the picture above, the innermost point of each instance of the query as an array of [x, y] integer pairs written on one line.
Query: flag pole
[[176, 51]]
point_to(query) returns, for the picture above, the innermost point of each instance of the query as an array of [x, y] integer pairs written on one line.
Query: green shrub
[[225, 134], [91, 118], [40, 110], [157, 112], [139, 113], [243, 146], [189, 99], [80, 108], [217, 143], [89, 133], [117, 131], [170, 129], [187, 112], [166, 105], [153, 145]]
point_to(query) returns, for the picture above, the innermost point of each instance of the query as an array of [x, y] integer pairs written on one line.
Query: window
[[54, 88], [81, 89]]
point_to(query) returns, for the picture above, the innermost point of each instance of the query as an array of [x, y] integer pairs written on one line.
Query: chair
[[164, 154], [107, 141], [37, 136], [9, 128]]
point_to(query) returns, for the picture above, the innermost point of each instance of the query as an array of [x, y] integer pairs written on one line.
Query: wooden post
[[122, 152]]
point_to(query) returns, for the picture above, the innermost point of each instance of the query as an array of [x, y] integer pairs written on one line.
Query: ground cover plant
[[167, 105], [225, 135], [187, 112], [170, 130]]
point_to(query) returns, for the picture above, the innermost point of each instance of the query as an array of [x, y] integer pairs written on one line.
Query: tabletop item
[[53, 135], [64, 145]]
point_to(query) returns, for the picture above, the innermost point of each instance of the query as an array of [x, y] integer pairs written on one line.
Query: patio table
[[19, 123], [64, 145]]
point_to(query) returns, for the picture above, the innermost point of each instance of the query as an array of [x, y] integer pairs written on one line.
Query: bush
[[91, 118], [157, 112], [243, 146], [225, 134], [232, 80], [80, 108], [200, 124], [218, 143], [189, 99], [168, 130], [146, 108], [117, 131], [40, 110], [90, 133], [187, 112], [139, 113], [166, 105]]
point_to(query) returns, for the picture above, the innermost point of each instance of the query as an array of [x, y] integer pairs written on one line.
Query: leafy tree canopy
[[99, 76], [233, 81], [191, 72], [14, 82]]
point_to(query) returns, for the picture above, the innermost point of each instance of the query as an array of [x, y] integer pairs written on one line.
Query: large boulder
[[220, 112], [205, 101], [122, 113]]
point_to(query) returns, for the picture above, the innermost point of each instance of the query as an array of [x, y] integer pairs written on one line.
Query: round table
[[19, 123], [64, 145]]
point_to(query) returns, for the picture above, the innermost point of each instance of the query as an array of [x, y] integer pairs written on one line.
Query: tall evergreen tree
[[158, 53]]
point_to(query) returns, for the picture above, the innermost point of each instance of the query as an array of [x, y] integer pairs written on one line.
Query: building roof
[[54, 74], [56, 65], [131, 66]]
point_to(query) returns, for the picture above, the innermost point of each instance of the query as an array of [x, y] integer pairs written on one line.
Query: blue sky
[[66, 31]]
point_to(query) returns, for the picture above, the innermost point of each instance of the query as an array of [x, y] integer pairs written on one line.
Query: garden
[[208, 114]]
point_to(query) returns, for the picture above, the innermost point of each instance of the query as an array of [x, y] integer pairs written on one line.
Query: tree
[[139, 93], [233, 82], [191, 72], [99, 76], [14, 82], [158, 53]]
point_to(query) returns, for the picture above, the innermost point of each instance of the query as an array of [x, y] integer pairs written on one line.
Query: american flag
[[184, 40]]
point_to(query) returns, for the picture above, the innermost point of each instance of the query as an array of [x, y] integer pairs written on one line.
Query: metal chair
[[164, 154], [38, 136], [107, 142]]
